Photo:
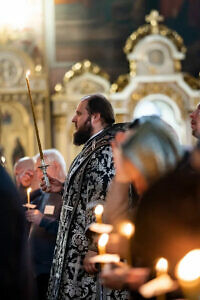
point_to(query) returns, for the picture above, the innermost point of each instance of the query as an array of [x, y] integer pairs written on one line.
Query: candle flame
[[127, 229], [103, 240], [28, 73], [162, 265], [98, 209], [29, 190], [3, 159], [188, 268]]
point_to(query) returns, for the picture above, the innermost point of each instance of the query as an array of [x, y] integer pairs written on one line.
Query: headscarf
[[153, 149]]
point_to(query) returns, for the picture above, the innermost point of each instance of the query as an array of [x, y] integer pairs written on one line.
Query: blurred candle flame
[[161, 266], [3, 159], [98, 213], [28, 73], [188, 268], [103, 240], [127, 229], [28, 194]]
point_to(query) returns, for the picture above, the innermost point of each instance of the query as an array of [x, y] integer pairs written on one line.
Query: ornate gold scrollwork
[[168, 89], [154, 28], [83, 67]]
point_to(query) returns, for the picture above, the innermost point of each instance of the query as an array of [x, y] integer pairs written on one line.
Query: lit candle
[[28, 196], [2, 160], [127, 229], [43, 165], [102, 242], [188, 274], [98, 213], [161, 270], [161, 266]]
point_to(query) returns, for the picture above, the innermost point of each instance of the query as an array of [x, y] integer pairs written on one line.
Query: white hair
[[25, 162], [53, 155]]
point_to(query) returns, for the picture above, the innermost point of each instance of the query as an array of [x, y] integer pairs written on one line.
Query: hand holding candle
[[158, 286]]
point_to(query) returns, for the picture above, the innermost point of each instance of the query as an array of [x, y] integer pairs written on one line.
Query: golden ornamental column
[[60, 137]]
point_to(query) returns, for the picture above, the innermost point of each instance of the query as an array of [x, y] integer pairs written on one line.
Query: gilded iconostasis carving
[[78, 47]]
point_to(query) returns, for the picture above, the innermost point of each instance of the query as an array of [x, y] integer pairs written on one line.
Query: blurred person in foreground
[[144, 157], [122, 197], [117, 206], [16, 281], [44, 219], [86, 185]]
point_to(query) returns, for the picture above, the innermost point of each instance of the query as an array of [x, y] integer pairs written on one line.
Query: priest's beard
[[82, 135]]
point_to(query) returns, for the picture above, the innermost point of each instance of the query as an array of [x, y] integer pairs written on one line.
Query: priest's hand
[[55, 185], [88, 266], [34, 216]]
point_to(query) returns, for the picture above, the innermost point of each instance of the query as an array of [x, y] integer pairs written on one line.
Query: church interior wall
[[57, 34]]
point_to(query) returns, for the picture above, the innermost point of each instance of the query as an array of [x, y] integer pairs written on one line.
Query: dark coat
[[15, 276]]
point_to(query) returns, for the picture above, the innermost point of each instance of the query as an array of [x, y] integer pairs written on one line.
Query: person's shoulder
[[110, 132]]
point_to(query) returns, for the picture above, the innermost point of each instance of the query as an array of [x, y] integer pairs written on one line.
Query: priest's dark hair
[[97, 103]]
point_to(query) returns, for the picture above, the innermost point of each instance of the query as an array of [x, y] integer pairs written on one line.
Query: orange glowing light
[[127, 229], [103, 240], [161, 266], [188, 268], [98, 213]]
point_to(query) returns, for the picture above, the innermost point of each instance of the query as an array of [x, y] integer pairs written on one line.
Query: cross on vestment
[[68, 207]]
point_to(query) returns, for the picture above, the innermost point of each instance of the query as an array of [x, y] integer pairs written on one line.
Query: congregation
[[139, 174]]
